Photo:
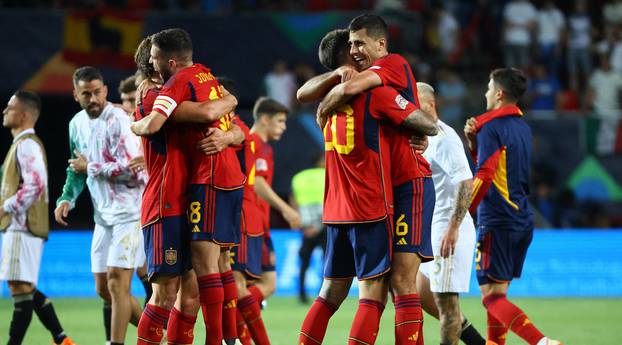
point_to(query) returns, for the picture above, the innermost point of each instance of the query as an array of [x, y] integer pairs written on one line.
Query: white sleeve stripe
[[166, 104], [162, 108]]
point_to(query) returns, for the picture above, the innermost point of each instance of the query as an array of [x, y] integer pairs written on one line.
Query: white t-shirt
[[518, 14], [450, 166], [447, 28], [579, 27], [616, 57], [281, 87], [607, 87], [550, 22]]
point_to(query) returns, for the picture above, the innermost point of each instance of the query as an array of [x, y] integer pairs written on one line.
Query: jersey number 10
[[339, 131]]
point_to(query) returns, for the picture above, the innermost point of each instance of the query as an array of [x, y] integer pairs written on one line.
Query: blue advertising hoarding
[[579, 263]]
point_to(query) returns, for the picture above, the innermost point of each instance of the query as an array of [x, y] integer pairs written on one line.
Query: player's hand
[[137, 164], [292, 217], [310, 231], [448, 243], [79, 163], [346, 72], [215, 141], [61, 212], [419, 143], [470, 129], [320, 118]]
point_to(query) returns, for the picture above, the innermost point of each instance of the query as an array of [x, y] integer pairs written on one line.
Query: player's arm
[[488, 151], [122, 147], [421, 122], [317, 87], [217, 140], [149, 124], [264, 191], [73, 187], [463, 200], [33, 175], [207, 111], [342, 93]]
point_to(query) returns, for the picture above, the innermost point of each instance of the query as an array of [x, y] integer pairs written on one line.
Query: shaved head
[[425, 89]]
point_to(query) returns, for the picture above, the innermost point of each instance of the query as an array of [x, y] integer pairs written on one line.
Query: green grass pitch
[[574, 321]]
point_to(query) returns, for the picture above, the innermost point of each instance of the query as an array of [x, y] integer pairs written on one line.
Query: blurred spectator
[[616, 50], [612, 12], [569, 101], [447, 29], [420, 68], [579, 44], [566, 210], [519, 22], [280, 84], [451, 92], [605, 86], [543, 89], [551, 25]]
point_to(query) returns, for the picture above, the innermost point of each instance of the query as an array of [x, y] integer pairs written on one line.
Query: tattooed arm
[[461, 206]]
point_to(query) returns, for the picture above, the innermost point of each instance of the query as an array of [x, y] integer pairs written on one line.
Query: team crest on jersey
[[401, 102], [170, 255]]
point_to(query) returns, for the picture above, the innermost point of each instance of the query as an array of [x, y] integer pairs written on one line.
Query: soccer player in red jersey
[[500, 142], [245, 259], [269, 125], [410, 172], [358, 199], [171, 53]]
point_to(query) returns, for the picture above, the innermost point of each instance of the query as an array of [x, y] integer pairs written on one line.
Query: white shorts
[[453, 274], [141, 258], [21, 257], [115, 246]]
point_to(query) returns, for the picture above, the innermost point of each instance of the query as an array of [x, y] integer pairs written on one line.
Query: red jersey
[[165, 193], [406, 163], [253, 217], [196, 83], [358, 187], [264, 167]]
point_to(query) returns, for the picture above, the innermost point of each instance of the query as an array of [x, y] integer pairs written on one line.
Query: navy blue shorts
[[268, 257], [214, 214], [167, 247], [246, 257], [361, 250], [500, 254], [412, 222]]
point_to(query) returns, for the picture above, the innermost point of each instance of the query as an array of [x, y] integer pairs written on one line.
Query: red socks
[[249, 308], [212, 296], [315, 323], [229, 310], [366, 322], [180, 329], [512, 317], [408, 320], [151, 325], [243, 334], [495, 330], [254, 290]]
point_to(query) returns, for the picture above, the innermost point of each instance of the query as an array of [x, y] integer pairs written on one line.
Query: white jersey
[[109, 145], [450, 166], [34, 181]]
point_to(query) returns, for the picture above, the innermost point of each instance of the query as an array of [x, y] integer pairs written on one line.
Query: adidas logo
[[402, 242], [415, 336], [230, 305], [196, 229]]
